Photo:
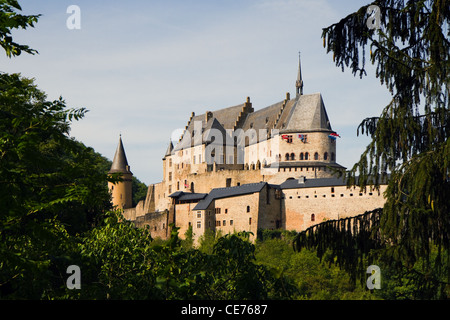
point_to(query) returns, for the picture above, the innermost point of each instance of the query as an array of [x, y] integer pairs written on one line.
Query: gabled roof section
[[219, 193], [224, 119], [308, 114], [264, 118], [209, 133], [120, 163]]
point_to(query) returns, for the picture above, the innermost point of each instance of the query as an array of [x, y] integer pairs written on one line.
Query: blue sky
[[142, 67]]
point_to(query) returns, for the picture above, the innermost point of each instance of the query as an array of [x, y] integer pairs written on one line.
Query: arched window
[[313, 217], [292, 156], [306, 155], [332, 156], [248, 208], [287, 156], [316, 156], [325, 156], [192, 187], [301, 156]]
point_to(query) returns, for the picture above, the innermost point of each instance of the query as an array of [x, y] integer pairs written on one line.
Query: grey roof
[[120, 163], [305, 113], [268, 118], [219, 193], [312, 183], [184, 196], [308, 114], [264, 118], [292, 164], [293, 183], [208, 129], [169, 149]]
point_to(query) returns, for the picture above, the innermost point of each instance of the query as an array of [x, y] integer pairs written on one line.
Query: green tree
[[410, 137], [139, 190], [51, 188]]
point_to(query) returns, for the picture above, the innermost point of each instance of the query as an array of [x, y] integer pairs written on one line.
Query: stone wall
[[238, 213], [304, 207], [158, 223]]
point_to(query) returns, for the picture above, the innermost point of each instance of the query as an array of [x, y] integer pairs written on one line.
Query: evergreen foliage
[[410, 137]]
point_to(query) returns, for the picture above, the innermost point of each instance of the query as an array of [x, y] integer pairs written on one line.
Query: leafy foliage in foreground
[[11, 19]]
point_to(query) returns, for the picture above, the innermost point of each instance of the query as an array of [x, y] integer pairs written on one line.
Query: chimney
[[302, 179], [208, 115]]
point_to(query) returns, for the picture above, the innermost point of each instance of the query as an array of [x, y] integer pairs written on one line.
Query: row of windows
[[186, 184], [305, 156], [301, 169], [182, 164], [219, 210], [288, 138], [219, 223], [332, 195]]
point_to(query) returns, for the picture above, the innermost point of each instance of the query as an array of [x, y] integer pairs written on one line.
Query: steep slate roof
[[120, 163], [263, 118], [169, 150], [308, 114], [224, 119], [305, 113], [227, 116], [219, 193], [209, 130]]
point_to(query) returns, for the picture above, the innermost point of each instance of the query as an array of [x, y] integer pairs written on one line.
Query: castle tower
[[121, 191], [299, 82]]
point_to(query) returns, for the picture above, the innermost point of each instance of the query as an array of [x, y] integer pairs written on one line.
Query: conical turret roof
[[120, 163]]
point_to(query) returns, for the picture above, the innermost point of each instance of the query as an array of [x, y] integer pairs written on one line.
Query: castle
[[237, 169]]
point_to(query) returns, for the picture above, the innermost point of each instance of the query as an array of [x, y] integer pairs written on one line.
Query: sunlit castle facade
[[237, 150]]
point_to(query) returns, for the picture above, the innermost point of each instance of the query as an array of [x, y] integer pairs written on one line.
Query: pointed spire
[[169, 149], [299, 82], [120, 163]]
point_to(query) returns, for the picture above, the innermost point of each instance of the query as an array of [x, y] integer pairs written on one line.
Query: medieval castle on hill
[[237, 169]]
